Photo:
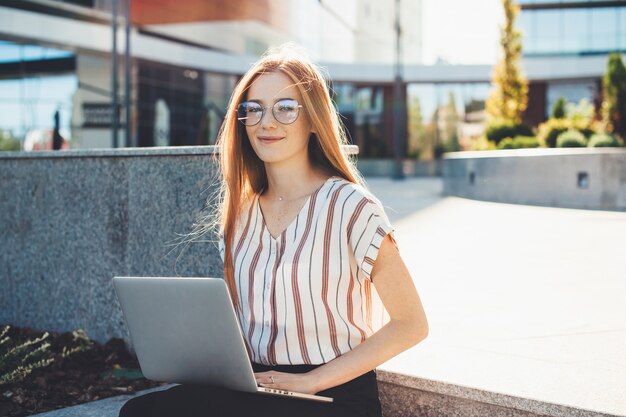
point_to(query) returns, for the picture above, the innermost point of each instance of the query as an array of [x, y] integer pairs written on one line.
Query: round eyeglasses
[[285, 111]]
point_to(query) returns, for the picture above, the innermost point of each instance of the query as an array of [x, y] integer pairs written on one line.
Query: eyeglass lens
[[285, 111]]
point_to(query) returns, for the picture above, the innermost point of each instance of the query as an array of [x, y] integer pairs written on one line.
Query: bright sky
[[461, 31]]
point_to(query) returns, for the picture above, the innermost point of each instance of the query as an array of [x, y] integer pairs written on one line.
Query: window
[[575, 30], [548, 30], [603, 29]]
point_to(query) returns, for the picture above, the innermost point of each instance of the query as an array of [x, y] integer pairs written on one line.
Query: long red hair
[[243, 173]]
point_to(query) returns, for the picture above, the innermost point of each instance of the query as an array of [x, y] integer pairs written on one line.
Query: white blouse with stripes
[[307, 296]]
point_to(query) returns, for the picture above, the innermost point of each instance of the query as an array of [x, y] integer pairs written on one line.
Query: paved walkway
[[521, 300]]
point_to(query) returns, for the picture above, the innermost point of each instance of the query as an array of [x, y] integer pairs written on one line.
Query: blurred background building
[[558, 30], [187, 56]]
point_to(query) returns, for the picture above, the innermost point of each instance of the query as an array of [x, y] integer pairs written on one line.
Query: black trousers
[[358, 398]]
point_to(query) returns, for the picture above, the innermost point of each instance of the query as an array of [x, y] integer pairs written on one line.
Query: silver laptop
[[184, 330]]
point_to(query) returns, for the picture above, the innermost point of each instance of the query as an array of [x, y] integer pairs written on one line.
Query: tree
[[8, 142], [508, 99], [450, 125], [558, 109], [614, 91], [416, 127]]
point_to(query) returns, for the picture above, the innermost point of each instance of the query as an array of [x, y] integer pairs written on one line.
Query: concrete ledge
[[569, 178], [120, 152], [111, 152], [75, 219], [405, 395], [401, 396], [109, 407]]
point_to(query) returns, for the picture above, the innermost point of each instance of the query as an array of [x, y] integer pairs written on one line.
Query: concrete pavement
[[521, 300]]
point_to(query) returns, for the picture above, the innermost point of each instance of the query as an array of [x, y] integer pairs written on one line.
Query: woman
[[302, 242]]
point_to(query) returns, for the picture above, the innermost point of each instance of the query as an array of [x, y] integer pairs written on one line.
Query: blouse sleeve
[[370, 228]]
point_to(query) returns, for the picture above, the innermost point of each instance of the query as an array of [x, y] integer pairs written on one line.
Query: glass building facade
[[444, 117], [35, 83], [573, 27]]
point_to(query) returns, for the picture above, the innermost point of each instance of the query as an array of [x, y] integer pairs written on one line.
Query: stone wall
[[569, 178], [72, 220]]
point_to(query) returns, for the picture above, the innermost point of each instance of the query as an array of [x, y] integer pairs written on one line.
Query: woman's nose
[[267, 119]]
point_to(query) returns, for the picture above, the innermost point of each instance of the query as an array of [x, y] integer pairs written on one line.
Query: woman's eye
[[254, 109]]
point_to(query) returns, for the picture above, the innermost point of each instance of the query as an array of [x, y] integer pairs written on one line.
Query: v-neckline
[[291, 222]]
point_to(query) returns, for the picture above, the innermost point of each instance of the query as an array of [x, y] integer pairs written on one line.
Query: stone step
[[401, 396], [404, 396]]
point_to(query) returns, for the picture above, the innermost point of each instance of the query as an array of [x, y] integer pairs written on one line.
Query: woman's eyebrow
[[257, 100]]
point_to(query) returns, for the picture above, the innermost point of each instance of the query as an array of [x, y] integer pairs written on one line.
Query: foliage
[[8, 142], [498, 130], [519, 142], [549, 130], [482, 143], [571, 139], [558, 108], [581, 114], [506, 143], [416, 128], [614, 92], [578, 117], [509, 97], [19, 358], [603, 140], [450, 126]]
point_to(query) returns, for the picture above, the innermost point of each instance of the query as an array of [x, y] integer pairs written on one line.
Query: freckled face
[[272, 141]]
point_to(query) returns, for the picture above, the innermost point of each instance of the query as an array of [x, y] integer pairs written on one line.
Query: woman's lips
[[269, 139]]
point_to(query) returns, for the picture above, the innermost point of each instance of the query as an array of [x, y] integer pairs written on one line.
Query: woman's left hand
[[304, 383]]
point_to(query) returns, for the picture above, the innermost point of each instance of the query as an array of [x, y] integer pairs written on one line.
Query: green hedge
[[603, 140], [519, 142], [499, 130], [550, 130], [571, 139]]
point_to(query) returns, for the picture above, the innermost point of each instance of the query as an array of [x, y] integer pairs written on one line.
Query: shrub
[[614, 93], [481, 143], [525, 142], [571, 139], [550, 130], [19, 355], [519, 142], [506, 143], [603, 140], [586, 131], [19, 359], [501, 129], [558, 108], [8, 142]]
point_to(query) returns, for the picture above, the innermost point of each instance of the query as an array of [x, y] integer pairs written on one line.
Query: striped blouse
[[307, 296]]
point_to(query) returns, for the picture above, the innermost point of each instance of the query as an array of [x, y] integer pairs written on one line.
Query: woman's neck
[[290, 184]]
